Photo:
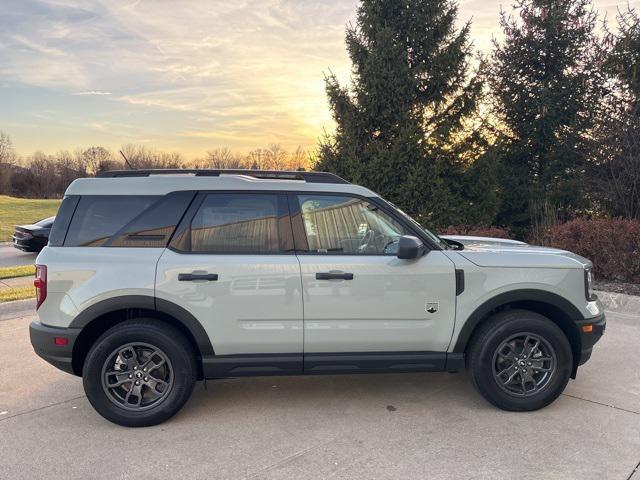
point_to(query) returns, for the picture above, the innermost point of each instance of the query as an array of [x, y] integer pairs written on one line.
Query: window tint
[[348, 226], [62, 220], [154, 226], [98, 217], [240, 223]]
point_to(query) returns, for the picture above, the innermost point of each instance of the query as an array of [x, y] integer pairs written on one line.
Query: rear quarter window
[[98, 217]]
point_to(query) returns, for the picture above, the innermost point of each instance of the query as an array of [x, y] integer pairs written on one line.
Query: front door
[[365, 309], [231, 265]]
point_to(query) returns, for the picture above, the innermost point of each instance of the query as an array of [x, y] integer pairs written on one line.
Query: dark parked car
[[33, 238]]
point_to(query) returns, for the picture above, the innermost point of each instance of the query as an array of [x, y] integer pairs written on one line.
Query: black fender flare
[[523, 295], [147, 302]]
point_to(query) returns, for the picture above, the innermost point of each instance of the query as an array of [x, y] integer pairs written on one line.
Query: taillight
[[40, 282]]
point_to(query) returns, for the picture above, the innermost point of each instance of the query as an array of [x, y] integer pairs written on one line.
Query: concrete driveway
[[404, 426], [12, 257]]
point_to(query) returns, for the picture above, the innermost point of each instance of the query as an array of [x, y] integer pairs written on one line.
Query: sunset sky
[[185, 76]]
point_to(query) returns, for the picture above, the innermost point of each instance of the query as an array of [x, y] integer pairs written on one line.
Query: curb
[[17, 309], [619, 302]]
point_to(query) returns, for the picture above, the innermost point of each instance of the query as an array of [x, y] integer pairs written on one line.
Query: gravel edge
[[619, 302]]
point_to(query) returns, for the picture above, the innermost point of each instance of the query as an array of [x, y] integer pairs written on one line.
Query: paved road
[[11, 257], [405, 426]]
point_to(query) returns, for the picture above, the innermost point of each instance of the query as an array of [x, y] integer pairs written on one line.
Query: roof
[[161, 182]]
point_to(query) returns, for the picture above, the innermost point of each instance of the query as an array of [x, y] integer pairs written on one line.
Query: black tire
[[507, 329], [173, 364]]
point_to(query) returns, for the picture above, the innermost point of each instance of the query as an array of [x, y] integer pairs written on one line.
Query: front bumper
[[43, 341], [589, 338]]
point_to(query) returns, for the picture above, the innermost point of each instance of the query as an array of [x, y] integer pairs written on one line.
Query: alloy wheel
[[524, 364], [137, 376]]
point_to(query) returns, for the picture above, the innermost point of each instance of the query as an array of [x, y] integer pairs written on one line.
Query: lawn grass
[[13, 272], [20, 211], [17, 293]]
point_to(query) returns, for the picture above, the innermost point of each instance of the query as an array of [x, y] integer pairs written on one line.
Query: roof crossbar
[[309, 177]]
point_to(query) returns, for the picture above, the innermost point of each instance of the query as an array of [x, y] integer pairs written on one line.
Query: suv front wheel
[[519, 360], [139, 373]]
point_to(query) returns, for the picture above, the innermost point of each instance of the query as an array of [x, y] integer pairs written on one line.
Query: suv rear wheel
[[139, 373], [519, 360]]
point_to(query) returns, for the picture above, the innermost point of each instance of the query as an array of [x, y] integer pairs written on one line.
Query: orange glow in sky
[[185, 76]]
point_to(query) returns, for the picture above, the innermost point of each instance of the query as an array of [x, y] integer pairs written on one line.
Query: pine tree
[[405, 125], [546, 85], [619, 123]]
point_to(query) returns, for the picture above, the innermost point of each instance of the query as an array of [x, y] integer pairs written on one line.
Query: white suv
[[155, 279]]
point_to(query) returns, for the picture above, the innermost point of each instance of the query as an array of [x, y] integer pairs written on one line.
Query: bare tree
[[141, 157], [43, 171], [255, 159], [224, 158], [7, 162], [275, 157], [97, 159], [299, 159], [7, 153]]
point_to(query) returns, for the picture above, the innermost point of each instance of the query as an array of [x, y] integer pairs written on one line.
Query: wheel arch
[[101, 316], [556, 308]]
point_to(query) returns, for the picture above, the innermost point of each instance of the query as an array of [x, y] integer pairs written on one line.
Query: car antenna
[[126, 160]]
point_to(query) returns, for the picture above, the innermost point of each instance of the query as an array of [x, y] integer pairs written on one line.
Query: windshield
[[432, 236]]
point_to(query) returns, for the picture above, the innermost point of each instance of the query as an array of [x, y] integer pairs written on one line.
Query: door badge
[[431, 307]]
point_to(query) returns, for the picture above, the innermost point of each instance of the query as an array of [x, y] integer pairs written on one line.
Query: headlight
[[588, 284]]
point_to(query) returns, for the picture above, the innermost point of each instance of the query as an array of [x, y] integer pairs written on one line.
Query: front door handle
[[189, 277], [334, 276]]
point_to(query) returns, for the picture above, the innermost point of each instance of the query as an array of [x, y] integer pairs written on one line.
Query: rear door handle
[[334, 276], [189, 277]]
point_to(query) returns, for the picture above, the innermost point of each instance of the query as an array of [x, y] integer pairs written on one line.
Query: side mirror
[[410, 247]]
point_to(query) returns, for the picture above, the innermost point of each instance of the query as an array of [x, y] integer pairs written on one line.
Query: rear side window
[[155, 225], [62, 220], [98, 217], [239, 223]]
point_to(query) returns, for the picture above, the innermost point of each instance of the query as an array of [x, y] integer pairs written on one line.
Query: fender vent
[[459, 281]]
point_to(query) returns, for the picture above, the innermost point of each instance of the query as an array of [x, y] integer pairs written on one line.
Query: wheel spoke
[[541, 369], [121, 378], [530, 350], [541, 359], [129, 356], [135, 393], [158, 386], [511, 377], [154, 362]]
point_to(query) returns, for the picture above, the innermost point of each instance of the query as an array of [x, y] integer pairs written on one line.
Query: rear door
[[232, 265], [365, 309]]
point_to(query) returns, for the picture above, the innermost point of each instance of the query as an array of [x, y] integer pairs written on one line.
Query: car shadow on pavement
[[391, 393]]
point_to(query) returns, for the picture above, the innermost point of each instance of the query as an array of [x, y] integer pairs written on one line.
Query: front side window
[[348, 226], [240, 223]]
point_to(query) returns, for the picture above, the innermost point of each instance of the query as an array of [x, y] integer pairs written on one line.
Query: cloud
[[92, 92], [247, 69], [239, 73]]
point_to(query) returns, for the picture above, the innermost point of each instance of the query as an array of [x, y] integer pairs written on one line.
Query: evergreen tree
[[405, 125], [545, 81], [619, 126]]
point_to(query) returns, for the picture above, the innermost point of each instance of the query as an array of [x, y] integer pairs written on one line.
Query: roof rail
[[309, 177]]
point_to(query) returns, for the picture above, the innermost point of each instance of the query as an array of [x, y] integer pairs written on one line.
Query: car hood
[[497, 252]]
